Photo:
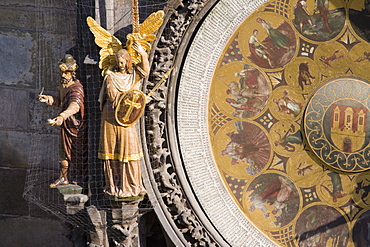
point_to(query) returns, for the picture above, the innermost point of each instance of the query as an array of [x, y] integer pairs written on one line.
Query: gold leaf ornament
[[145, 35], [109, 45], [151, 25]]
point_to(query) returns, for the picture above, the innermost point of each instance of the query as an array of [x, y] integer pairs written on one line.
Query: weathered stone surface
[[14, 148], [37, 16], [44, 153], [29, 35], [37, 212], [17, 57], [99, 235], [17, 2], [75, 202], [26, 20], [20, 3], [11, 190], [19, 149], [13, 108], [15, 232]]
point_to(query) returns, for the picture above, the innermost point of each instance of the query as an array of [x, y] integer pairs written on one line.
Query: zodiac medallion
[[336, 124]]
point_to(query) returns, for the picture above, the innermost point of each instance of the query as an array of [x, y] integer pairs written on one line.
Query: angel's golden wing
[[109, 45], [151, 24], [147, 29]]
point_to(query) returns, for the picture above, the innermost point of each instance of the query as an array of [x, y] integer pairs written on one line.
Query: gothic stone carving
[[163, 167]]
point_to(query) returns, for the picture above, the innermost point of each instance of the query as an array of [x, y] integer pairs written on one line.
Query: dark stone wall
[[30, 47]]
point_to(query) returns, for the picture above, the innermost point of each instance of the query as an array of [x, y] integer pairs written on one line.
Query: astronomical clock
[[272, 122]]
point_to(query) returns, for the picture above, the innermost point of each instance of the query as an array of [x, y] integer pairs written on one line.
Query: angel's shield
[[130, 107]]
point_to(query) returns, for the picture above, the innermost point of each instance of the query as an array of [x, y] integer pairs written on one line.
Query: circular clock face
[[284, 128]]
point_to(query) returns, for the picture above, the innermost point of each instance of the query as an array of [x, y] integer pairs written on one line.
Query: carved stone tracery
[[161, 147]]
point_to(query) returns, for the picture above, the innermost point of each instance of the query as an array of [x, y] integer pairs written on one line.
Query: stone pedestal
[[75, 213], [117, 225], [123, 221], [98, 218], [74, 200]]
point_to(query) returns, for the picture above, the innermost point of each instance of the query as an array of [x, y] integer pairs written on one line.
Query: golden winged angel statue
[[142, 33], [122, 103]]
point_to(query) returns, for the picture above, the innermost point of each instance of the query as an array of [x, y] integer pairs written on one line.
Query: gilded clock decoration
[[296, 95]]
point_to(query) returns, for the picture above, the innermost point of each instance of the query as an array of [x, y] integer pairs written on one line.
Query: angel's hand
[[148, 98], [138, 48]]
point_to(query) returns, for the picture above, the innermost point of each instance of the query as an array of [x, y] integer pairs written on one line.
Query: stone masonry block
[[11, 190], [15, 232], [13, 108], [17, 49], [14, 148]]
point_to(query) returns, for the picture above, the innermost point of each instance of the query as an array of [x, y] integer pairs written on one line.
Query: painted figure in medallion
[[336, 191], [250, 94], [322, 6], [258, 49], [361, 230], [304, 76], [288, 104], [303, 168], [319, 23], [258, 203], [363, 188], [302, 15], [123, 69], [365, 57], [276, 48], [279, 40], [73, 151], [252, 78], [289, 139], [359, 19], [313, 229], [249, 145], [281, 191], [275, 196], [328, 60]]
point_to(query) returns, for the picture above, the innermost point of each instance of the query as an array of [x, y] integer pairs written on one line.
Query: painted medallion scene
[[289, 121]]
